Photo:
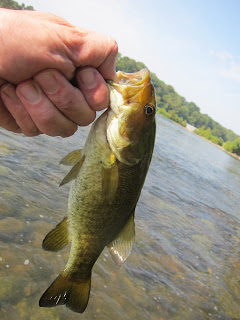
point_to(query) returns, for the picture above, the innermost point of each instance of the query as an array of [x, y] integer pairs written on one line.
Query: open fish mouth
[[129, 85]]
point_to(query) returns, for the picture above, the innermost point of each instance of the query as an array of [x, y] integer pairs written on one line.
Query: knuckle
[[66, 100], [69, 132], [30, 131], [88, 120], [46, 123]]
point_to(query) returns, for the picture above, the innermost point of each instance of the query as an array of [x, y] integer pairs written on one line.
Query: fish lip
[[135, 79]]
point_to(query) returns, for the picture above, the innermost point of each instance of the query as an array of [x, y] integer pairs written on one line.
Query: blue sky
[[192, 45]]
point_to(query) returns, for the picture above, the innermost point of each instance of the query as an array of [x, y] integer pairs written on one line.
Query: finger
[[108, 67], [95, 50], [6, 119], [45, 115], [93, 87], [18, 112], [68, 99]]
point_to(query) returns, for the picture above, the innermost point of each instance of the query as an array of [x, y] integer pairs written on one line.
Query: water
[[185, 263]]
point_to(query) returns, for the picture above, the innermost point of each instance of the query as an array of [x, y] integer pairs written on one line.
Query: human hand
[[57, 108]]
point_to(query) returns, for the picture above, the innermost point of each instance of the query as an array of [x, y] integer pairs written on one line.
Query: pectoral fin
[[120, 248], [73, 172], [72, 158], [110, 182], [57, 238]]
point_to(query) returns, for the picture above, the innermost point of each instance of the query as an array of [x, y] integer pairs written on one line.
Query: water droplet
[[105, 255], [26, 262], [104, 260], [7, 266], [27, 205], [41, 216]]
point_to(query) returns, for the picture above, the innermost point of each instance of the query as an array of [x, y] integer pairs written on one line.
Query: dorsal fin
[[120, 248]]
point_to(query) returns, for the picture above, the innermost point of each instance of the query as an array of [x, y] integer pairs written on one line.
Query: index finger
[[108, 67]]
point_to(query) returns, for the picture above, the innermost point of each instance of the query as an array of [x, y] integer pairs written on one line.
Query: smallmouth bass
[[108, 175]]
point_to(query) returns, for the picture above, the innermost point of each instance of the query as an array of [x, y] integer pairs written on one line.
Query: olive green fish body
[[108, 175], [93, 222]]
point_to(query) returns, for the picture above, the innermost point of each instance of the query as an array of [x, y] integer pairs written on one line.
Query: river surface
[[185, 264]]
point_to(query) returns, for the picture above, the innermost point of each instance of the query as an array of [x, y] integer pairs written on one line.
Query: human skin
[[39, 54]]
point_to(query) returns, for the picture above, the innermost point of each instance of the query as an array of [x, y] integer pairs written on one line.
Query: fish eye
[[149, 110]]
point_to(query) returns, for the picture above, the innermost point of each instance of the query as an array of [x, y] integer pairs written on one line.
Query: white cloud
[[228, 65], [231, 71], [223, 55]]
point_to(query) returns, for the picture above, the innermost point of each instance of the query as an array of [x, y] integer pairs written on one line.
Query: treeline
[[172, 105], [10, 4], [230, 146]]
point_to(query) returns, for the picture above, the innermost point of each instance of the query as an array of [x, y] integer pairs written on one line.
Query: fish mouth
[[130, 84], [126, 80], [135, 79]]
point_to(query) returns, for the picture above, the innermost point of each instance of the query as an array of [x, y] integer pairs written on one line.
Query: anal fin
[[57, 238], [120, 248]]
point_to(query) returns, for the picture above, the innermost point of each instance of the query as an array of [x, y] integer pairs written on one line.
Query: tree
[[10, 4]]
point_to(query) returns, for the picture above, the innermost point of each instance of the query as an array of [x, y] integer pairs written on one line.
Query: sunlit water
[[185, 264]]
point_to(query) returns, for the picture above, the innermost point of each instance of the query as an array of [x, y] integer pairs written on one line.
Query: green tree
[[10, 4]]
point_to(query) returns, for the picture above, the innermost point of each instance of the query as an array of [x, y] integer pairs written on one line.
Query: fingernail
[[30, 92], [48, 82], [10, 91], [87, 78]]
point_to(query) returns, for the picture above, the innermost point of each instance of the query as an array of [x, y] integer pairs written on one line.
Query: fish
[[107, 178]]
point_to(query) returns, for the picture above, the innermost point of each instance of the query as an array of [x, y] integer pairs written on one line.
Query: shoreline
[[234, 155]]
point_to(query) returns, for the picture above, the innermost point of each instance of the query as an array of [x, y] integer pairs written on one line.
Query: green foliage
[[233, 146], [10, 4], [169, 100], [128, 65], [208, 134], [228, 146], [173, 106]]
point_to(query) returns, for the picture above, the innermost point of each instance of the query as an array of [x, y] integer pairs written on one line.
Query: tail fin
[[65, 290]]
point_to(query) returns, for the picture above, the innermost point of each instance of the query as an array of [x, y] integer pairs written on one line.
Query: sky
[[192, 45]]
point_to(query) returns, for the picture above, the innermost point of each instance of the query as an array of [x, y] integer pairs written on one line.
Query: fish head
[[131, 116]]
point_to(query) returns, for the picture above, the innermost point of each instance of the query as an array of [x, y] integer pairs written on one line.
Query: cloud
[[228, 65], [223, 55], [231, 72]]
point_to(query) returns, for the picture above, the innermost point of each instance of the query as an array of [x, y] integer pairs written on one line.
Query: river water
[[185, 264]]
